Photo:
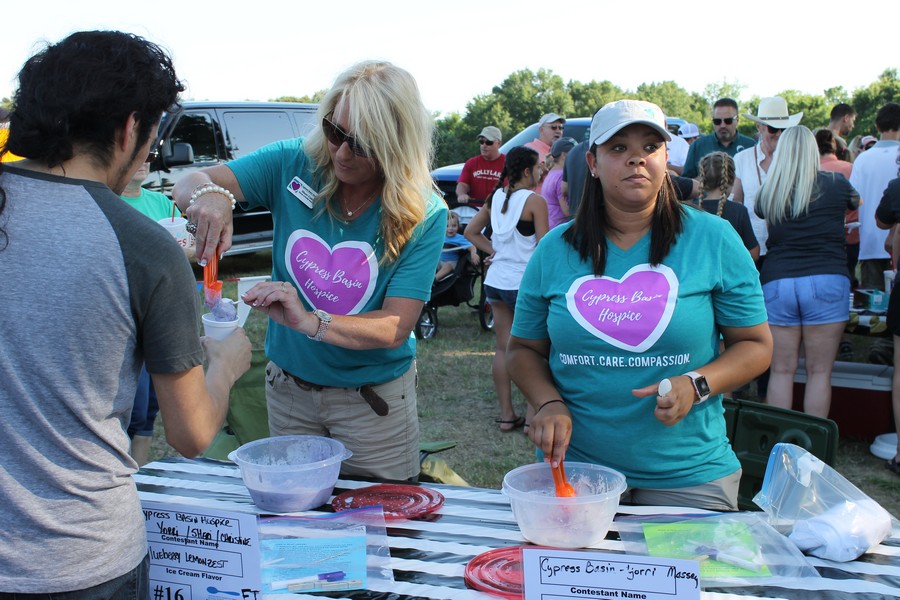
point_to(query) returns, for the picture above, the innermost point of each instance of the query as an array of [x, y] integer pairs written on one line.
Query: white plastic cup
[[217, 330], [178, 228], [888, 281]]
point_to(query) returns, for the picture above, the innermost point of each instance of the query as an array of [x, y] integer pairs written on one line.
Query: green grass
[[457, 401]]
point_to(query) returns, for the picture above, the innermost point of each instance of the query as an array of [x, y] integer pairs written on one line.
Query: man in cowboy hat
[[725, 137], [751, 165], [750, 168]]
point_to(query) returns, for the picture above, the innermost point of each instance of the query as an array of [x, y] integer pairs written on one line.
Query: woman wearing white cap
[[615, 336]]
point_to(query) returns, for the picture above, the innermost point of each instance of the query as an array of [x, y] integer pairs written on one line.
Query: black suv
[[203, 134]]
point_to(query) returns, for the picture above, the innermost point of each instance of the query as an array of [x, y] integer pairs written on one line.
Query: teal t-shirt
[[632, 327], [707, 144], [335, 266], [152, 204]]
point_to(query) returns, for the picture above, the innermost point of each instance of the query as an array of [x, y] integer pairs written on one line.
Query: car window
[[248, 130], [197, 129], [305, 121]]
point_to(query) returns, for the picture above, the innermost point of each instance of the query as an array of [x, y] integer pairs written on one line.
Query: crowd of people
[[632, 286]]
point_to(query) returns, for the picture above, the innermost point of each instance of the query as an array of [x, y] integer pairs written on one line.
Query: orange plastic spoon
[[564, 489]]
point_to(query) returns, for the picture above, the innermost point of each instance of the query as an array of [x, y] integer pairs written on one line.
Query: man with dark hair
[[90, 293], [843, 117], [724, 139], [872, 171]]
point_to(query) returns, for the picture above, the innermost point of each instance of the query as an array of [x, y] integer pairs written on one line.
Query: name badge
[[302, 191]]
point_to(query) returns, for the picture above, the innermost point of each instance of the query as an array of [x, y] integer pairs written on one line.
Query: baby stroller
[[452, 290]]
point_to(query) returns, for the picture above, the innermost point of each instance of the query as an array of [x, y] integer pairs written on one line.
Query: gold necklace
[[349, 212]]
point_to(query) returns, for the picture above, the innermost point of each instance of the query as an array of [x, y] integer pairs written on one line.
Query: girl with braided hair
[[518, 218], [716, 175]]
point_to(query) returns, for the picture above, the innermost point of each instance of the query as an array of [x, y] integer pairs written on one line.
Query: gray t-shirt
[[89, 292]]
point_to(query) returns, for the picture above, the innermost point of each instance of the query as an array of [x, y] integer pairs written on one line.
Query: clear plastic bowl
[[576, 522], [290, 473]]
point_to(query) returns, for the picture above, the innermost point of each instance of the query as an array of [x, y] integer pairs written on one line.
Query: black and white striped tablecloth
[[429, 556]]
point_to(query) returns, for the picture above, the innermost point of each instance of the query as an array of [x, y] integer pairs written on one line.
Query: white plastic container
[[577, 522], [884, 446], [290, 473]]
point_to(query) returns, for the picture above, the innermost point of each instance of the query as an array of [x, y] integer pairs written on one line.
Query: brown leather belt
[[367, 392]]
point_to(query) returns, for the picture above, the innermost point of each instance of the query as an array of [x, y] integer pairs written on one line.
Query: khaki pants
[[383, 447], [719, 495]]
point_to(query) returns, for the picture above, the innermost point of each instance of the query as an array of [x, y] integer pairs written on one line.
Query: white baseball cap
[[617, 115]]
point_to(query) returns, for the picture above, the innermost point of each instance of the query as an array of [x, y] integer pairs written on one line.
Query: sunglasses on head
[[338, 136], [728, 120], [485, 142], [774, 130]]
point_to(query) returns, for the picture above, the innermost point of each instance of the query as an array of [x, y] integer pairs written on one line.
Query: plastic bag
[[734, 549], [819, 510], [338, 551]]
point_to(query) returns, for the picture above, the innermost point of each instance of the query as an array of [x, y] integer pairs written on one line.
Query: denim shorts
[[810, 300], [507, 297]]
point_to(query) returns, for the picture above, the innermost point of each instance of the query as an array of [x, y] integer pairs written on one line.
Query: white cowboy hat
[[774, 112]]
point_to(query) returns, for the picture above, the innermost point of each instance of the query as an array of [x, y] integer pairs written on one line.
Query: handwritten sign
[[551, 573], [199, 553]]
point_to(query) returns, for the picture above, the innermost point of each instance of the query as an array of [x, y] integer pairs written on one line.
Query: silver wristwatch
[[324, 322]]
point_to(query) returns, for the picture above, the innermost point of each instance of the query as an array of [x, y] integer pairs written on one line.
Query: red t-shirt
[[482, 175]]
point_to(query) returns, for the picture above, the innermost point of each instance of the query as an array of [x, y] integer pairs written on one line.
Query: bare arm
[[211, 211], [738, 191], [462, 193], [536, 208], [193, 406], [475, 231], [748, 352], [528, 366], [387, 327]]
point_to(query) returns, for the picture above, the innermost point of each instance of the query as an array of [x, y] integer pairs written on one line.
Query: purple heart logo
[[629, 313], [295, 185], [339, 280]]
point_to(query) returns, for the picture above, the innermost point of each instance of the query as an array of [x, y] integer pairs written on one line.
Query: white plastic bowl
[[576, 522], [290, 473]]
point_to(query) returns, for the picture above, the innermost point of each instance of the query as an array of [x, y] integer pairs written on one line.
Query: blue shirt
[[335, 266], [631, 328], [457, 240]]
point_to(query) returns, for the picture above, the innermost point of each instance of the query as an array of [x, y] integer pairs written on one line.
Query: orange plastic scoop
[[212, 288], [564, 489]]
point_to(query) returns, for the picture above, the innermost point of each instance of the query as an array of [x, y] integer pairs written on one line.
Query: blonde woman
[[805, 279], [357, 235]]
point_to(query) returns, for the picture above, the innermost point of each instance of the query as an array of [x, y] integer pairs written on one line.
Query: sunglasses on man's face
[[484, 142], [774, 130], [337, 136], [728, 121], [555, 127]]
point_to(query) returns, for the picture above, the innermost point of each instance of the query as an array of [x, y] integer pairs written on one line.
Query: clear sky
[[262, 49]]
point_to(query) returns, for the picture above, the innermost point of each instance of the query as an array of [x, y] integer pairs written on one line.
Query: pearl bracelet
[[211, 188]]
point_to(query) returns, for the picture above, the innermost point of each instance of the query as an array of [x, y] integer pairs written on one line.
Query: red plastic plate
[[497, 572], [398, 501]]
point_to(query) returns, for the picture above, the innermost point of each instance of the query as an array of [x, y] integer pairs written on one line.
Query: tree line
[[525, 95]]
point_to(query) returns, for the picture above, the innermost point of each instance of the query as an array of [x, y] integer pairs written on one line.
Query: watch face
[[702, 386]]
